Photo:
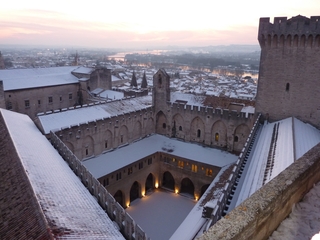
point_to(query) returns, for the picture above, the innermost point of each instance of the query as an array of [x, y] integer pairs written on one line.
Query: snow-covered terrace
[[92, 112], [37, 77], [69, 209], [156, 143]]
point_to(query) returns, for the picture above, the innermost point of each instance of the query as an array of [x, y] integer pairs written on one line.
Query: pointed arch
[[150, 181], [135, 191], [119, 197], [161, 123], [108, 140], [187, 187], [241, 134], [219, 134], [197, 130], [168, 181], [180, 127], [87, 147], [70, 146], [136, 134], [123, 135]]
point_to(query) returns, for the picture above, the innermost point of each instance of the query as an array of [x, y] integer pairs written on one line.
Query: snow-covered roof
[[282, 142], [83, 70], [76, 116], [190, 98], [65, 202], [109, 94], [14, 79], [156, 143]]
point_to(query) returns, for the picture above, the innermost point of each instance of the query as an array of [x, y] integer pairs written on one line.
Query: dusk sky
[[142, 23]]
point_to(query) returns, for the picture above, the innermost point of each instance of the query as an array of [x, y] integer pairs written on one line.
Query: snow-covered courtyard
[[160, 213]]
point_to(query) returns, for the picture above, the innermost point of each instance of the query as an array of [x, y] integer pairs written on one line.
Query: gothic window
[[287, 86], [198, 133], [216, 137]]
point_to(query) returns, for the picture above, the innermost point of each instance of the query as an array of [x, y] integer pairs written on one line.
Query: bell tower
[[161, 90]]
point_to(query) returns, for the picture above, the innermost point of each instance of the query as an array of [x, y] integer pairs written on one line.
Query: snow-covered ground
[[160, 213]]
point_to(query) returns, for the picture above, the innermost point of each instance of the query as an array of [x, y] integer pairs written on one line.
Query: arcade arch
[[135, 191], [168, 181], [187, 187], [119, 197], [149, 183]]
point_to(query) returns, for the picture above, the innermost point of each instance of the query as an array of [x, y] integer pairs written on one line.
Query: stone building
[[32, 91], [288, 83]]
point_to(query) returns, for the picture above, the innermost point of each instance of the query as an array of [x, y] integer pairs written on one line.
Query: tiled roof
[[39, 191]]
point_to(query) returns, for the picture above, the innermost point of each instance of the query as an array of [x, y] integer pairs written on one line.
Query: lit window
[[194, 168], [216, 137], [173, 159], [27, 103], [209, 172], [180, 164]]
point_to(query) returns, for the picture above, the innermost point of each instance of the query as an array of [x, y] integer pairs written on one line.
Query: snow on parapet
[[203, 110]]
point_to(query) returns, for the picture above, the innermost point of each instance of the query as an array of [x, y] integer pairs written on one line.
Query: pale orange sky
[[142, 23]]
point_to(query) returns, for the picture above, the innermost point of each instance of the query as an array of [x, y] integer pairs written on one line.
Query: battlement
[[208, 111], [296, 31]]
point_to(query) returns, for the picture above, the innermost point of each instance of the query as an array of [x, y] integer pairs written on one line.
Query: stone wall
[[126, 224], [259, 215], [288, 84]]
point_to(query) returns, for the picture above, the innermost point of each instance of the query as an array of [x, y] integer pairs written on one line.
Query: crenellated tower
[[289, 73]]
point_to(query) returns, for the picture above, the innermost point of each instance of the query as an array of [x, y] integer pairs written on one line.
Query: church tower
[[2, 66], [289, 76], [161, 89]]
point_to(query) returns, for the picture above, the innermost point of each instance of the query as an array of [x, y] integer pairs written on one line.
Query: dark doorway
[[118, 196], [134, 191], [187, 187], [149, 183], [168, 181]]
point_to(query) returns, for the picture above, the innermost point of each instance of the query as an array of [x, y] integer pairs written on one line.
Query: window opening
[[216, 137], [198, 133]]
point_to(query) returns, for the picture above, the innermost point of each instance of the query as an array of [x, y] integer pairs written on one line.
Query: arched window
[[198, 133], [180, 128], [236, 139], [287, 86], [216, 137]]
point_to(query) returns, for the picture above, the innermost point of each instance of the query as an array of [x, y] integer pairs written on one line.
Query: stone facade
[[32, 101], [288, 83]]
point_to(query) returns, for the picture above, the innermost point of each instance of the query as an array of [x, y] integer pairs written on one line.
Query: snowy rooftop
[[156, 143], [190, 98], [36, 77], [66, 204], [68, 118], [288, 140], [83, 70]]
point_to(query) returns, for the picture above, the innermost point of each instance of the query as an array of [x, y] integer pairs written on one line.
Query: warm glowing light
[[156, 185], [143, 194], [177, 191], [196, 197], [128, 204]]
